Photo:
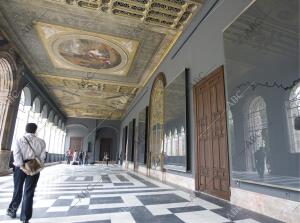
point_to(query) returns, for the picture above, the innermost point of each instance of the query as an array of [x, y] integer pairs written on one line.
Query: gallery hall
[[149, 111]]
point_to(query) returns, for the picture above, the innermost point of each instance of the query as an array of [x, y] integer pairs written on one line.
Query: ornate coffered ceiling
[[86, 98], [93, 55], [167, 13]]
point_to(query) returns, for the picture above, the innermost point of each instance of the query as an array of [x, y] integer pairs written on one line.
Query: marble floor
[[69, 194]]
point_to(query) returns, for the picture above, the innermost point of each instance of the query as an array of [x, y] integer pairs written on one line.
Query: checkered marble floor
[[102, 194]]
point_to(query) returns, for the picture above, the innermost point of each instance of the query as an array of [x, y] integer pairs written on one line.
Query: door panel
[[212, 168], [76, 143]]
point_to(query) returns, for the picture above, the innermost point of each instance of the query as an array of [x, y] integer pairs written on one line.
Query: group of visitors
[[76, 157]]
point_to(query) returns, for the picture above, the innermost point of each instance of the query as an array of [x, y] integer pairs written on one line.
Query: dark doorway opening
[[105, 147]]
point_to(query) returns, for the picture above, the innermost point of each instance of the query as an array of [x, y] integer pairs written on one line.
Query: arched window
[[231, 132], [176, 141], [6, 79], [34, 115], [169, 144], [22, 117], [257, 131], [166, 145], [293, 111], [182, 144]]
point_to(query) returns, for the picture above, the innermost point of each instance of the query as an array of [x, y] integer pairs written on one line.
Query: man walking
[[259, 156], [27, 148], [81, 158]]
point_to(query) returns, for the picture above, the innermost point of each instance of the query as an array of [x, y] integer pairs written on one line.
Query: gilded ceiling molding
[[94, 56], [172, 14], [152, 71], [98, 81], [89, 98]]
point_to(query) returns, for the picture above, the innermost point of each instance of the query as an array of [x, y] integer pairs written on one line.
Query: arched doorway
[[106, 142]]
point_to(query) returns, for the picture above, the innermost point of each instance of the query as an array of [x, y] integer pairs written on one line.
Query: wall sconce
[[297, 123]]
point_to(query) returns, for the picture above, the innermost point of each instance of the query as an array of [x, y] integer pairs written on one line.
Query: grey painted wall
[[202, 53]]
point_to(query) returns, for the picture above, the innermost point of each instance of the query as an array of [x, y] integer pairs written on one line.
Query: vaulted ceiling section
[[93, 56]]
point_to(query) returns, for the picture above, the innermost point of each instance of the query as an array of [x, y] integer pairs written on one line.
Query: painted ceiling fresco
[[89, 99], [93, 56], [88, 52]]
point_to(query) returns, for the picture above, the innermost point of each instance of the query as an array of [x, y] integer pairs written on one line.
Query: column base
[[4, 162]]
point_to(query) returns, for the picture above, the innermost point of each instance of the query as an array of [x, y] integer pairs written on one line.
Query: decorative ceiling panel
[[84, 51], [172, 14], [102, 51], [85, 98]]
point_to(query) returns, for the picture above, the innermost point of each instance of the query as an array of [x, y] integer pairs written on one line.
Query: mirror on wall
[[131, 144], [175, 124], [124, 144], [263, 92], [142, 136]]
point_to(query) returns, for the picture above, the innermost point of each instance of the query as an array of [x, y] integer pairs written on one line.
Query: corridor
[[97, 193], [194, 105]]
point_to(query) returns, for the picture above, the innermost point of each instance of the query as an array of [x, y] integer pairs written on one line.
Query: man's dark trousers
[[30, 184]]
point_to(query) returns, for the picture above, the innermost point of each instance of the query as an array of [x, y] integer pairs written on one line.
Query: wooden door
[[212, 165], [76, 143], [105, 147]]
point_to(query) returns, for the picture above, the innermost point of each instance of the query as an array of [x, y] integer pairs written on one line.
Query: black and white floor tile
[[104, 194]]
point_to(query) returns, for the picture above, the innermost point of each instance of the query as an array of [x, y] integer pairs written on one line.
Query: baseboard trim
[[278, 208]]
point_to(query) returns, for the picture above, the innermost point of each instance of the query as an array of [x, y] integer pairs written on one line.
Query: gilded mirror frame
[[156, 121]]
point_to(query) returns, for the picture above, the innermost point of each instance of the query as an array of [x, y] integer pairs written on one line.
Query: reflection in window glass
[[262, 73], [175, 124], [257, 139], [293, 111], [174, 143]]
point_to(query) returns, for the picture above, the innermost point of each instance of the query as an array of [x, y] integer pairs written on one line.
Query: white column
[[63, 142], [44, 130], [47, 135], [27, 112], [59, 141], [50, 150], [55, 140]]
